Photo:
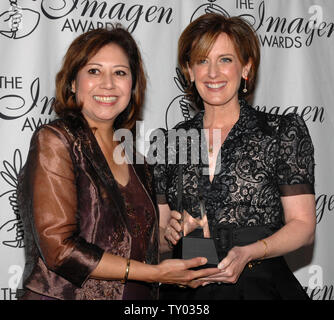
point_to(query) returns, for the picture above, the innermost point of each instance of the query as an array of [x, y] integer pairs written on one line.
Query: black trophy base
[[191, 247]]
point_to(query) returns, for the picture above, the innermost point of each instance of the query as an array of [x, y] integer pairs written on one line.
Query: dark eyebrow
[[94, 63], [116, 66], [121, 65]]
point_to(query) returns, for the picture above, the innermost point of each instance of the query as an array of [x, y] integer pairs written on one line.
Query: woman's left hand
[[231, 266]]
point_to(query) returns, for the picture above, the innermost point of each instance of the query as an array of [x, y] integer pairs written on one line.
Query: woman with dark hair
[[90, 218], [255, 177]]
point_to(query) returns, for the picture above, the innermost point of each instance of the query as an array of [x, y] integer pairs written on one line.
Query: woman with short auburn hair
[[252, 191]]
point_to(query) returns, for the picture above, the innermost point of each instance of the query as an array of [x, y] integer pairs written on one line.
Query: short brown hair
[[200, 35], [85, 47]]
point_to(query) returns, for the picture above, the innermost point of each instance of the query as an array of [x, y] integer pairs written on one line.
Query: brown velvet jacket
[[73, 211]]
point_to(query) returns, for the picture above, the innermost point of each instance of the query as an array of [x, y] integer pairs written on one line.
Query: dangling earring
[[244, 90], [73, 96]]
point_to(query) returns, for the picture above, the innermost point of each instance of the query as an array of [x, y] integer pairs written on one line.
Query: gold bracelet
[[125, 279], [265, 248]]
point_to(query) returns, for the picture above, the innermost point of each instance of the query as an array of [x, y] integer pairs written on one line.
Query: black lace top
[[263, 158]]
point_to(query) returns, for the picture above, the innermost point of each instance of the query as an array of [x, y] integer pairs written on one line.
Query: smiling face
[[217, 76], [103, 86]]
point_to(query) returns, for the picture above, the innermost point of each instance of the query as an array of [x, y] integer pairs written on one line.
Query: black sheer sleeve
[[157, 156], [296, 157]]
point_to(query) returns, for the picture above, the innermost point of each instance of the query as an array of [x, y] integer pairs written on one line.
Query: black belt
[[226, 237]]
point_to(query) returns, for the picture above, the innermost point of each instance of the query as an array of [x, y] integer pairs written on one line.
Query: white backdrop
[[296, 75]]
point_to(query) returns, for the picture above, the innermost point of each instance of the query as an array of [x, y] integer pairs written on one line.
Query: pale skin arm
[[298, 231]]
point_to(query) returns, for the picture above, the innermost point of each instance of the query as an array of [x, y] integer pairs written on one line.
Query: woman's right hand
[[176, 271], [176, 224], [173, 228]]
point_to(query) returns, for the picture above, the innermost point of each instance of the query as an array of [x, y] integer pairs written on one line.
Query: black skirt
[[269, 279]]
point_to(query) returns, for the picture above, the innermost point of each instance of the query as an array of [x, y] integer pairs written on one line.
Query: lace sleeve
[[296, 157], [157, 156]]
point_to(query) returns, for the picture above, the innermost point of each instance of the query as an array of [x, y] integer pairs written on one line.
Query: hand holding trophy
[[191, 236], [195, 240]]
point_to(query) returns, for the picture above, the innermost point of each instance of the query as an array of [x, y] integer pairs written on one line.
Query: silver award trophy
[[196, 240]]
